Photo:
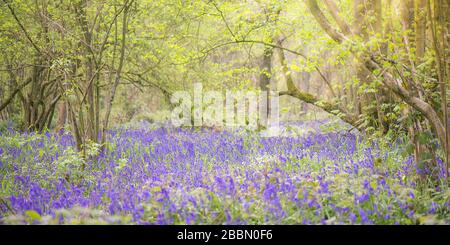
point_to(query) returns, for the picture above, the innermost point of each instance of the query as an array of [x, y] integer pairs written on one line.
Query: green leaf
[[422, 138], [294, 67], [33, 214]]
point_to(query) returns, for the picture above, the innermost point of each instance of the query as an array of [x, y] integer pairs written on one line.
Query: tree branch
[[334, 11], [13, 94], [21, 26], [331, 108], [323, 22]]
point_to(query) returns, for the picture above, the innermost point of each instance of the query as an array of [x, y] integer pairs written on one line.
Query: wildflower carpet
[[200, 176]]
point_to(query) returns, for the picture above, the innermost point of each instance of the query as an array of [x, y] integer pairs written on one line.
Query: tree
[[374, 63]]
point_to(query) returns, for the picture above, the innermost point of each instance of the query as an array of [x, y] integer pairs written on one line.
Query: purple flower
[[364, 216], [411, 194], [363, 198], [434, 207], [352, 218]]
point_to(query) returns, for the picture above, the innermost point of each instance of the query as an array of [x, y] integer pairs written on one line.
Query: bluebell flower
[[352, 218]]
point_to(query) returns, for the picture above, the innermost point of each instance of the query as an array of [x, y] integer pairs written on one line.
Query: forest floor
[[311, 174]]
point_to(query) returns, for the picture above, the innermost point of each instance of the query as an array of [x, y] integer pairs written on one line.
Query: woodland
[[86, 100]]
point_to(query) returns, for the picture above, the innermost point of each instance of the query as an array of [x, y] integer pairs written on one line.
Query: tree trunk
[[119, 69], [62, 116], [264, 79]]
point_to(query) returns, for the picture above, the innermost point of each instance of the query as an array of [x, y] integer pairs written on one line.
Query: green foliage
[[73, 216], [15, 122], [70, 165]]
